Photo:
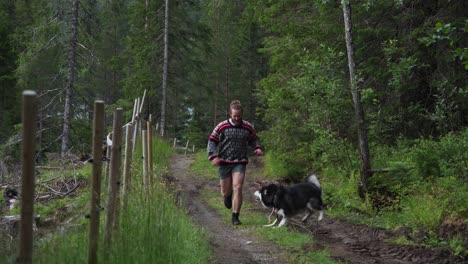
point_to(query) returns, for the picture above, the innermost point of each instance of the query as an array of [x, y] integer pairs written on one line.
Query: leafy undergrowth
[[427, 216], [418, 189]]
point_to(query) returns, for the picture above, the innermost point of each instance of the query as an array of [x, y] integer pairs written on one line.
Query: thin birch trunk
[[359, 112]]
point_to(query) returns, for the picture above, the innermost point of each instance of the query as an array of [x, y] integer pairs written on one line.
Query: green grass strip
[[151, 230]]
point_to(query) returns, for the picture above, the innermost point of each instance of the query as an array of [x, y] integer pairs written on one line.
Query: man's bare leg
[[237, 184], [226, 190]]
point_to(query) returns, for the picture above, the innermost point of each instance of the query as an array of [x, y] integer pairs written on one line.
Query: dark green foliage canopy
[[284, 60]]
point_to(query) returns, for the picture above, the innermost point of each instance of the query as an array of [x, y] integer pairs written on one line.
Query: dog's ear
[[272, 188]]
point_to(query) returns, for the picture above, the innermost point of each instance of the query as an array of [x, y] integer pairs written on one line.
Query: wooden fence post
[[144, 153], [114, 180], [108, 158], [174, 145], [150, 152], [95, 203], [127, 172], [137, 108], [27, 179]]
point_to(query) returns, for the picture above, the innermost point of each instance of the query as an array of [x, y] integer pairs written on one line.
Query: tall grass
[[152, 229]]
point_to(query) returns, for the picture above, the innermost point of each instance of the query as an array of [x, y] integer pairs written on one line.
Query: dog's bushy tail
[[313, 179]]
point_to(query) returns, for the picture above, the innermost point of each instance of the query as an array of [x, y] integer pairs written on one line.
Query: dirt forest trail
[[228, 244], [346, 242]]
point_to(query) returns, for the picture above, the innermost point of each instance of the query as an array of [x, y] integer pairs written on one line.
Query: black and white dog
[[290, 201], [11, 197]]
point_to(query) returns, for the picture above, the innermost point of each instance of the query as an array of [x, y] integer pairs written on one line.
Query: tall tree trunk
[[67, 114], [165, 65], [359, 112]]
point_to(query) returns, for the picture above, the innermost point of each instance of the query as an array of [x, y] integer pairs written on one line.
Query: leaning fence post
[[186, 146], [142, 102], [98, 133], [27, 179], [127, 172], [114, 180], [136, 122]]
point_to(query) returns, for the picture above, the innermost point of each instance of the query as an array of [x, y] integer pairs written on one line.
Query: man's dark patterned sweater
[[230, 142]]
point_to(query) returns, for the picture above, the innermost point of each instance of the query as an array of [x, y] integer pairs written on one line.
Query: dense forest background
[[285, 61]]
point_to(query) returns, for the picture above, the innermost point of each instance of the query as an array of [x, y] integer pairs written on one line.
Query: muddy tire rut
[[346, 242]]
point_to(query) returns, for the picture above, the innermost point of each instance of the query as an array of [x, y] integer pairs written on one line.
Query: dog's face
[[11, 194], [266, 195]]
